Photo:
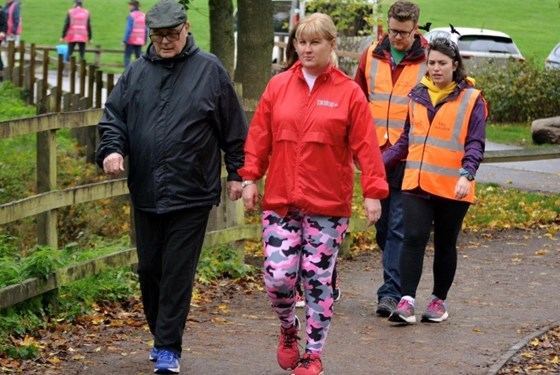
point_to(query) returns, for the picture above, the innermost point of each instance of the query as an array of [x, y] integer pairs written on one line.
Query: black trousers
[[447, 217], [81, 46], [169, 247]]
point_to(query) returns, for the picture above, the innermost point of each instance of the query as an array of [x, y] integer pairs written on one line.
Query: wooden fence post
[[11, 61], [97, 56], [46, 180], [45, 74], [90, 132], [31, 75], [21, 63]]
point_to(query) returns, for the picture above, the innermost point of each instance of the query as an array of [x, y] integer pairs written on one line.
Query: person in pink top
[[135, 35], [77, 29], [311, 123]]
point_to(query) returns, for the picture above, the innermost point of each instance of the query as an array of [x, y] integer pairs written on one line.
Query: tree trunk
[[222, 43], [254, 47]]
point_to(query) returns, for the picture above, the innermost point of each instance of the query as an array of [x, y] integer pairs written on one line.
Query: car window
[[483, 43]]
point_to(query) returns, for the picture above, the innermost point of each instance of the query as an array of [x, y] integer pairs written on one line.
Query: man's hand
[[113, 164], [234, 190]]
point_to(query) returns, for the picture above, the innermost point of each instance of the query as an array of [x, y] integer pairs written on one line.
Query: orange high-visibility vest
[[138, 34], [388, 103], [436, 149], [77, 31]]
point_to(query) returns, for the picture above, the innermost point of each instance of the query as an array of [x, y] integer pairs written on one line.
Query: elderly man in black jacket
[[172, 113]]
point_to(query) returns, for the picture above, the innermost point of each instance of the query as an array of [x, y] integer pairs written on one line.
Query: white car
[[553, 60], [479, 45]]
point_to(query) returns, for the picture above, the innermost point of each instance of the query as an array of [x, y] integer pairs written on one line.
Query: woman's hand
[[462, 187], [250, 196], [373, 210]]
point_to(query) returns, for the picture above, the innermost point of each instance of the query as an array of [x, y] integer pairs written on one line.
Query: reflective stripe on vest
[[436, 149], [77, 31], [388, 103], [138, 34]]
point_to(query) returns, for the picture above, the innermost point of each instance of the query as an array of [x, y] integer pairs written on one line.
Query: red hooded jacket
[[307, 141]]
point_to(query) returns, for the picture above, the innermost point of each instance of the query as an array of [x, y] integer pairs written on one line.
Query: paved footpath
[[506, 290], [541, 175]]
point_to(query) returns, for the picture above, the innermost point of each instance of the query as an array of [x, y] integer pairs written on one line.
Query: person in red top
[[77, 29], [311, 122], [135, 35]]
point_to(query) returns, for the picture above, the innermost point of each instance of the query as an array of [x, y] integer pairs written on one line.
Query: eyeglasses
[[171, 37], [404, 34]]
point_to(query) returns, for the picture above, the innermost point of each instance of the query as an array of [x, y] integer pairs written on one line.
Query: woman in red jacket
[[311, 122]]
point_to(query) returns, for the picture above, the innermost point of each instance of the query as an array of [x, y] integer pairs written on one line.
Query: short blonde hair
[[317, 25]]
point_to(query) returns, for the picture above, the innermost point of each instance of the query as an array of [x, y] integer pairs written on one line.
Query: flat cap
[[135, 3], [165, 15]]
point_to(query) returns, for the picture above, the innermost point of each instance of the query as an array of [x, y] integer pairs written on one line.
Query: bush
[[520, 92]]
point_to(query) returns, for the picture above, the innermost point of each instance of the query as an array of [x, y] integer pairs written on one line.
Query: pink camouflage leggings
[[306, 243]]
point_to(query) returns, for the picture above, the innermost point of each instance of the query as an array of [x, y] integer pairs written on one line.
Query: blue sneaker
[[167, 363], [154, 354]]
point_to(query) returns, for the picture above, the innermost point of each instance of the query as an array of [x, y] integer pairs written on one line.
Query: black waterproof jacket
[[172, 118]]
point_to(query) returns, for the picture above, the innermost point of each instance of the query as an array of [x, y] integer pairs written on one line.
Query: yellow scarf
[[437, 94]]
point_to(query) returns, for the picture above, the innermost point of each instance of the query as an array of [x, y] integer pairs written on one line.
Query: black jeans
[[169, 247], [447, 217]]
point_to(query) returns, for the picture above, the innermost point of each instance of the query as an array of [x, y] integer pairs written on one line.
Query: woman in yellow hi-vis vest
[[443, 142]]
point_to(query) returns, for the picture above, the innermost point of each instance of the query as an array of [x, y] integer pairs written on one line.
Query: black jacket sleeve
[[113, 132], [231, 126]]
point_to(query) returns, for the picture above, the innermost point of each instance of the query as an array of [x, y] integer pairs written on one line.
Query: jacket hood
[[190, 49]]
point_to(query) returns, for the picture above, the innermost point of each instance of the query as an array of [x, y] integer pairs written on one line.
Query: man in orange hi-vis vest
[[136, 34], [77, 29], [387, 71]]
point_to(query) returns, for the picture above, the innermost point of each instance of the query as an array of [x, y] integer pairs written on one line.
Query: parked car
[[553, 60], [479, 46]]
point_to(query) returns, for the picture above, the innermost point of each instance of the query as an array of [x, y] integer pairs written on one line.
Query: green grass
[[533, 25], [43, 22], [511, 134]]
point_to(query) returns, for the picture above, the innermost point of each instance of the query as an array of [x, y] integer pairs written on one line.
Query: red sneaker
[[310, 364], [288, 350]]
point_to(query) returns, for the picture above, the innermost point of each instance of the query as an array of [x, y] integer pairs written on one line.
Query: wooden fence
[[80, 108]]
